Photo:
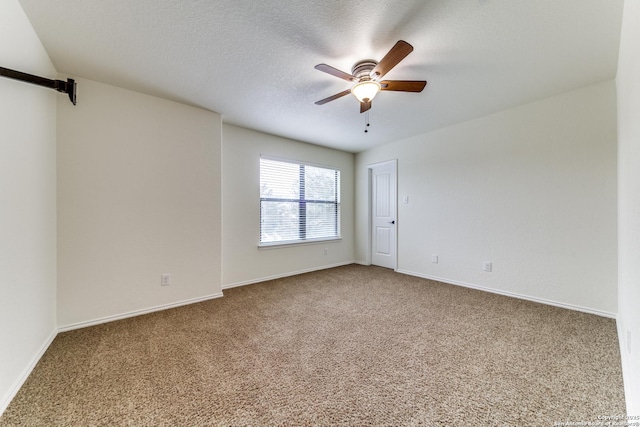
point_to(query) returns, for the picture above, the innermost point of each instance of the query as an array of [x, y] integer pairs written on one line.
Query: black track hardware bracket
[[69, 87]]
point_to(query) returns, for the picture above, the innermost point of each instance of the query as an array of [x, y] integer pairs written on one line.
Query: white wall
[[628, 86], [27, 203], [138, 196], [243, 262], [531, 189]]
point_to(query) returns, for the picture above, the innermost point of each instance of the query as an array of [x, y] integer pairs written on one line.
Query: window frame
[[302, 206]]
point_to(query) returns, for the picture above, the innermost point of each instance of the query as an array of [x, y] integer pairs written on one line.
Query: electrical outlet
[[165, 279], [486, 266], [434, 259], [326, 251]]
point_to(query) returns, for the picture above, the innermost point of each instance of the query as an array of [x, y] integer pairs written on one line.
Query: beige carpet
[[352, 345]]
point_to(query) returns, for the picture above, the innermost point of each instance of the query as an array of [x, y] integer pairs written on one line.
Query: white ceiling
[[252, 60]]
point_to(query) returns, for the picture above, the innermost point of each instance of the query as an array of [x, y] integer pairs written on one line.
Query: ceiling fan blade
[[334, 97], [403, 85], [397, 53], [335, 72], [365, 106]]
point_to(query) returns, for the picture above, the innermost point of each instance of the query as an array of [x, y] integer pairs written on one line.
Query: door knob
[[392, 222]]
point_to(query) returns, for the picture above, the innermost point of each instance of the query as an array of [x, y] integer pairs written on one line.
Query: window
[[298, 202]]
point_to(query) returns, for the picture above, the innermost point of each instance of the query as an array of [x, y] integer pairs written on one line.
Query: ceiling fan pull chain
[[366, 121]]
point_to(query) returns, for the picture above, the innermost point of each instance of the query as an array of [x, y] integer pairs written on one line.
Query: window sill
[[276, 245]]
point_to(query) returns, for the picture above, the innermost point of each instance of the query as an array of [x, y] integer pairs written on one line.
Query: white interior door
[[383, 214]]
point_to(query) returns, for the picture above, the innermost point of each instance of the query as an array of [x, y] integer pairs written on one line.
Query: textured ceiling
[[252, 61]]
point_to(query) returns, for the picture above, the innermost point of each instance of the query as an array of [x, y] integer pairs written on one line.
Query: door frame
[[370, 167]]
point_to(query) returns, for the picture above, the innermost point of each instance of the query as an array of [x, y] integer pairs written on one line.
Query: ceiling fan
[[366, 75]]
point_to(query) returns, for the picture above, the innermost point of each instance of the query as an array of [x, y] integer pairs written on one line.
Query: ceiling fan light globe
[[366, 91]]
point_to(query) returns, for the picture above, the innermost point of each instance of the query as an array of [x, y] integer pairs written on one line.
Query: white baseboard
[[8, 397], [626, 377], [279, 276], [134, 313], [512, 294]]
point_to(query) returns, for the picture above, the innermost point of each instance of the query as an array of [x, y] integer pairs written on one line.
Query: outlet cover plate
[[165, 279]]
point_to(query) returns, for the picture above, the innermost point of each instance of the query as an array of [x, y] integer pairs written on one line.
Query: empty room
[[320, 213]]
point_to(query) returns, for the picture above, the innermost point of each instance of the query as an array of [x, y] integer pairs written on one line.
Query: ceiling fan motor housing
[[362, 70]]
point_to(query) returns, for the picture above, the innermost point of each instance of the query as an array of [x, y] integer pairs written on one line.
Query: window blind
[[298, 202]]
